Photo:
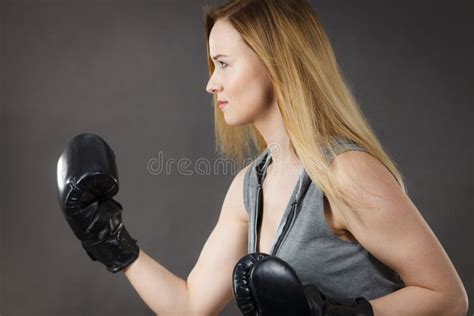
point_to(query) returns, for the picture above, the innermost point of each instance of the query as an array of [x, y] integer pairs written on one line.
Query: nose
[[212, 87]]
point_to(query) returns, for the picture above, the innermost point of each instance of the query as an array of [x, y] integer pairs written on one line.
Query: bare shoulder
[[359, 171], [364, 178], [345, 162], [234, 200]]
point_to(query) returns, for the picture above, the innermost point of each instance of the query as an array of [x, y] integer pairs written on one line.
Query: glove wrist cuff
[[358, 306], [327, 306], [117, 252]]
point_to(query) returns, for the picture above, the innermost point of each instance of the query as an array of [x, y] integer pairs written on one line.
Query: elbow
[[457, 305], [463, 305], [460, 309]]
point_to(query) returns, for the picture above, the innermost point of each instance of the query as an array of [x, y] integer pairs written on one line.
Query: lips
[[222, 104]]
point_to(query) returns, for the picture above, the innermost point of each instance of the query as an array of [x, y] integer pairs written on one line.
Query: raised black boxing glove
[[87, 179], [265, 285]]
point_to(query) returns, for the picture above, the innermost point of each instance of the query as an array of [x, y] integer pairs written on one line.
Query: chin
[[232, 121]]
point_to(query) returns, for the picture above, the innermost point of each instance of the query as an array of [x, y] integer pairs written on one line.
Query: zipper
[[256, 218], [288, 223]]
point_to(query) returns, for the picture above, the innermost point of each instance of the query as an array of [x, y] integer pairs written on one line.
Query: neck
[[272, 129]]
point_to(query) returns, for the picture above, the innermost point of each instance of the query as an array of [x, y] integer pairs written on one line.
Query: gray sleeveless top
[[338, 267]]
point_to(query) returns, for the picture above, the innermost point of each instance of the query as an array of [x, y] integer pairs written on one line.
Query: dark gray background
[[135, 73]]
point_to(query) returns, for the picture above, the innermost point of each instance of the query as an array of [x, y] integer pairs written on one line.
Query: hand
[[267, 285], [87, 180]]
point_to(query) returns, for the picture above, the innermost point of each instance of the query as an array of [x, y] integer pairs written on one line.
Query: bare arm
[[392, 229], [208, 288], [210, 281], [164, 292]]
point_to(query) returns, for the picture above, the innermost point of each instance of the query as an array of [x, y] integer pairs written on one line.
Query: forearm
[[164, 292], [414, 300]]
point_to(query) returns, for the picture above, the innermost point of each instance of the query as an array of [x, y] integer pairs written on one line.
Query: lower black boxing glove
[[267, 285], [87, 180]]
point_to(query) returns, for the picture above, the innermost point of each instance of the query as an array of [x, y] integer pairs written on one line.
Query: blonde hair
[[314, 99]]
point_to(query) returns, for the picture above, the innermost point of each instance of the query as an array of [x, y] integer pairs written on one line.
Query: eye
[[222, 64]]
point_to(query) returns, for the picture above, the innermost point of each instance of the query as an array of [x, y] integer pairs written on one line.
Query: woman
[[355, 231]]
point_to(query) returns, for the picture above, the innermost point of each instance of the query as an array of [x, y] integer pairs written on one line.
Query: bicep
[[210, 281], [391, 228]]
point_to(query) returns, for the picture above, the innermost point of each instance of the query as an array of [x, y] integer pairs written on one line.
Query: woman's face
[[239, 77]]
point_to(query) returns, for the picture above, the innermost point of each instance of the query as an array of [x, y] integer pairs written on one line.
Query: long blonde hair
[[314, 99]]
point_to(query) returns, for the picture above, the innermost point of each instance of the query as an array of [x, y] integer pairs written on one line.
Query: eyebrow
[[219, 55]]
